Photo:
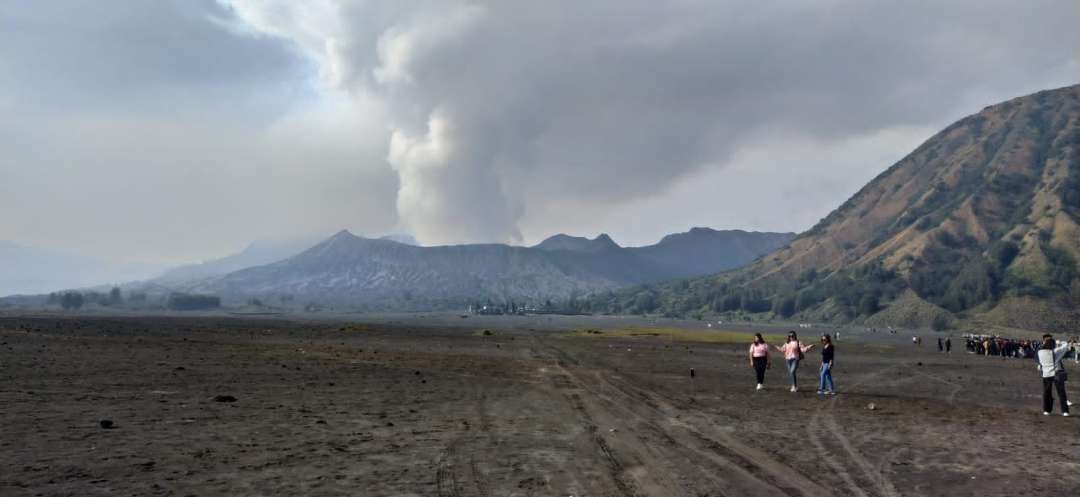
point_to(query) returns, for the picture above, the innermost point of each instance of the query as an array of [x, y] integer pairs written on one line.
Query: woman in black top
[[827, 353]]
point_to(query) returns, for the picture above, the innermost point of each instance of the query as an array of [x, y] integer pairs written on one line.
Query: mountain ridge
[[979, 218], [348, 270]]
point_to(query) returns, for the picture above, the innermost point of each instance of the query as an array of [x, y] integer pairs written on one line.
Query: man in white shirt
[[1053, 374]]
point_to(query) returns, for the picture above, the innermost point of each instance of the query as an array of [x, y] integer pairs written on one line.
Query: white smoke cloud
[[496, 109]]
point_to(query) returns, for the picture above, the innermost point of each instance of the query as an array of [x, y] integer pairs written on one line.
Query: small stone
[[224, 398], [107, 424]]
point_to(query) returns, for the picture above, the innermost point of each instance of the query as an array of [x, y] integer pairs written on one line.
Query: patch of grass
[[484, 333], [679, 335]]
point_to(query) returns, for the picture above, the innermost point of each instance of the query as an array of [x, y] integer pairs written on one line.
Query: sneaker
[[1069, 403], [1045, 413], [1065, 414], [794, 389], [760, 386], [830, 392], [820, 392]]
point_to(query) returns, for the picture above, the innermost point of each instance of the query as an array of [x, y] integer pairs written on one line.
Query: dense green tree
[[1002, 254], [115, 298], [869, 305], [71, 300], [973, 285], [784, 306], [645, 302]]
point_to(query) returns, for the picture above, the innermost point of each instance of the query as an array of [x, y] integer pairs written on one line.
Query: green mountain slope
[[978, 223]]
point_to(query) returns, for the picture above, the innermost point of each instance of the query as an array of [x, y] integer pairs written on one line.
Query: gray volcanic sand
[[400, 409]]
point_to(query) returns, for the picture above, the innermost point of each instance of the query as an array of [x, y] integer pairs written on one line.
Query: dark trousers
[[1048, 394], [760, 363]]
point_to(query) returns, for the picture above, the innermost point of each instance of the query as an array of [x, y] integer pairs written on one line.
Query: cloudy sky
[[168, 131]]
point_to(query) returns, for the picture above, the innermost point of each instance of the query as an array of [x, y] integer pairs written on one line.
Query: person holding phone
[[828, 354], [794, 352]]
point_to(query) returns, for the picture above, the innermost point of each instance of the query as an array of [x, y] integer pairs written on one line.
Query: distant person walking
[[759, 359], [1053, 374], [794, 352], [828, 353], [940, 345], [948, 345]]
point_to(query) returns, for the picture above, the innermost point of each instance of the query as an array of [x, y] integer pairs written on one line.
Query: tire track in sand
[[446, 477], [572, 387], [824, 423], [449, 478], [721, 448], [746, 469]]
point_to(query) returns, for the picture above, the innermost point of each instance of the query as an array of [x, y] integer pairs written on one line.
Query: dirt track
[[332, 409]]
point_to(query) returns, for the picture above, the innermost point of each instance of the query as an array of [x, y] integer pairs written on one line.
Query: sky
[[168, 131]]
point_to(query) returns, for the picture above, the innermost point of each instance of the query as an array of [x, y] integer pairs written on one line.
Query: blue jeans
[[792, 368], [826, 384]]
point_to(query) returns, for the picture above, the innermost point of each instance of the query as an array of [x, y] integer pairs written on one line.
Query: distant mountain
[[255, 254], [29, 270], [602, 243], [351, 271], [705, 251], [979, 224]]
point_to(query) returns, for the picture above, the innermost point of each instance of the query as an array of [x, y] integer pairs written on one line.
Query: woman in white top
[[1053, 374]]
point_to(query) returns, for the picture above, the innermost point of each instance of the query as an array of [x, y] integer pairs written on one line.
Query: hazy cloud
[[155, 131], [181, 130]]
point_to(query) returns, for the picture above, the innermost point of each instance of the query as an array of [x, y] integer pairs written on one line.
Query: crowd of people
[[1048, 353], [1006, 348], [1010, 348]]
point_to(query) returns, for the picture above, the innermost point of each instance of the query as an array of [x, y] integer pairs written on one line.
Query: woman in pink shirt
[[759, 359], [793, 352]]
